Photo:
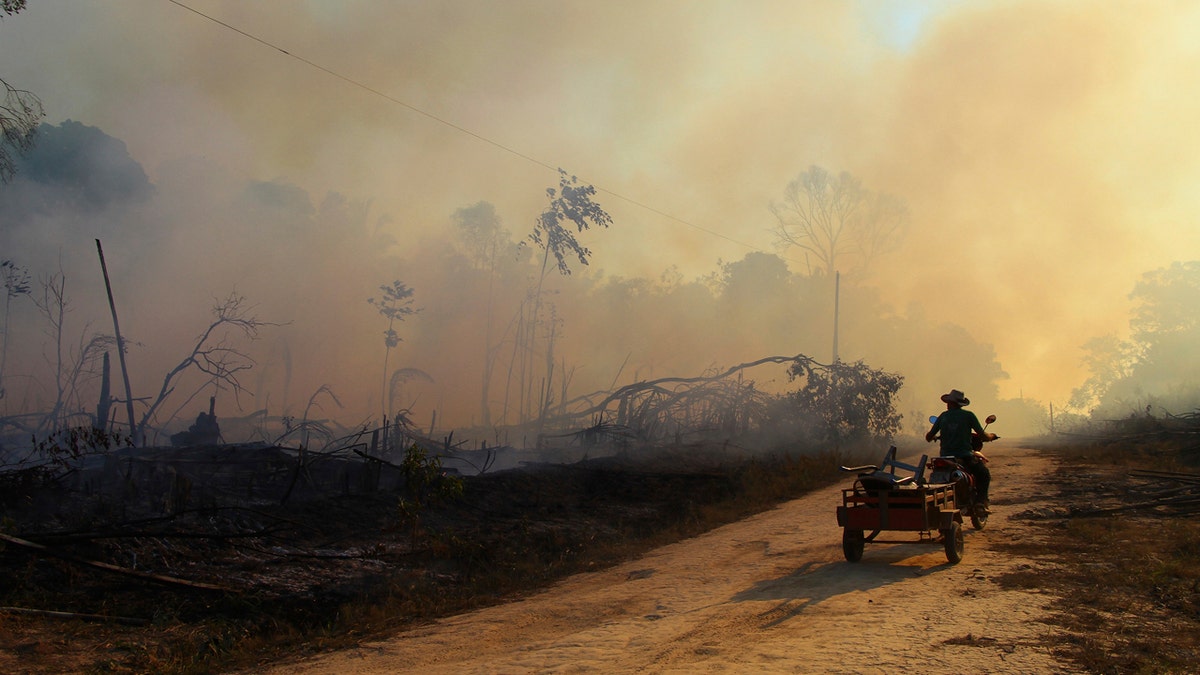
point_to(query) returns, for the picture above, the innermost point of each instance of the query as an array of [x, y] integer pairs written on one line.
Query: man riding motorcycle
[[955, 426]]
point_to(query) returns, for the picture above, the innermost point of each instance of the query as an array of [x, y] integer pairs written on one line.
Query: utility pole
[[837, 288]]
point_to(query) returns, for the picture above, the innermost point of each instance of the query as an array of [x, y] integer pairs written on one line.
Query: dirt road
[[769, 594]]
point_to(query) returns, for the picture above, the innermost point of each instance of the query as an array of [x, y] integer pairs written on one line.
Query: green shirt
[[955, 426]]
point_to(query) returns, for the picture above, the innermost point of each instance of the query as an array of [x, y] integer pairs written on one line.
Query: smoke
[[1042, 147], [1046, 152]]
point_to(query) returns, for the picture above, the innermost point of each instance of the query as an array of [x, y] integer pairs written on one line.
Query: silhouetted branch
[[213, 354]]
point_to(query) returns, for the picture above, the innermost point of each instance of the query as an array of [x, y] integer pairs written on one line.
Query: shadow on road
[[813, 583]]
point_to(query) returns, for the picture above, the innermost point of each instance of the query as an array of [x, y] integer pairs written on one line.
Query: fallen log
[[53, 614], [1179, 476], [107, 567], [1187, 500]]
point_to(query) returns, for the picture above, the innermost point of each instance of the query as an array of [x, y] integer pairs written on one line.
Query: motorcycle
[[951, 470]]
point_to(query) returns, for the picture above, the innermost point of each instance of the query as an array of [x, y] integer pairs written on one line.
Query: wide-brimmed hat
[[956, 396]]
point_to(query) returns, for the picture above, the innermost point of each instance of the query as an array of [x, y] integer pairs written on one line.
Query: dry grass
[[1128, 582]]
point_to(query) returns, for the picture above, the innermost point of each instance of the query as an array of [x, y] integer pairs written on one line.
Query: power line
[[365, 87]]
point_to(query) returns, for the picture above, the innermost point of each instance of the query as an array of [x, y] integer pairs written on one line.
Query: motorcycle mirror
[[990, 419], [933, 419]]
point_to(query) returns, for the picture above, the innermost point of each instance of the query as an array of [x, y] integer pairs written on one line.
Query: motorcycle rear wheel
[[978, 517]]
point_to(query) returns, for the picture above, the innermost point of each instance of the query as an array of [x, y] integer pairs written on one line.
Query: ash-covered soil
[[173, 570]]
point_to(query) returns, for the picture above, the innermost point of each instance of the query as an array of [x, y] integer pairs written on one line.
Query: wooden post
[[134, 433]]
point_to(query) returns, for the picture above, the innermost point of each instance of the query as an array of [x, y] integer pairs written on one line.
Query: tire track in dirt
[[768, 594]]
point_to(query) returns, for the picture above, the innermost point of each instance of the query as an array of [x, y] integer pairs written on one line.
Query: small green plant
[[425, 484]]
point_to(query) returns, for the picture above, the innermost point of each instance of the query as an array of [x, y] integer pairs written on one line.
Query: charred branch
[[108, 567]]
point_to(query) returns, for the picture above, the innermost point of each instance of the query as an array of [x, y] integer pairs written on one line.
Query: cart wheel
[[852, 544], [952, 538], [978, 518]]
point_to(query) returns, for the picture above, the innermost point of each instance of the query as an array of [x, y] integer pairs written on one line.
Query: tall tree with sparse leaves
[[833, 219], [394, 304], [570, 204]]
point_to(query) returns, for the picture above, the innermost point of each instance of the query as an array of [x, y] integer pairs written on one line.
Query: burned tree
[[213, 354], [836, 404], [72, 367], [16, 284]]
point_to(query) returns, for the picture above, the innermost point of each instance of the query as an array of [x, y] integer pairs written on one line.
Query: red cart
[[883, 501]]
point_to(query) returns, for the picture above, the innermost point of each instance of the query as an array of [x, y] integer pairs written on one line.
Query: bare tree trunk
[[520, 356], [53, 305], [485, 411], [546, 394], [567, 376], [529, 345], [101, 420], [383, 390]]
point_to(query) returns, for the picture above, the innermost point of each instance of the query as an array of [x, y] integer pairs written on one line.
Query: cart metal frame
[[907, 504]]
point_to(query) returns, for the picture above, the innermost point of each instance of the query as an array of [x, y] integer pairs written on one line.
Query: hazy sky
[[1048, 151]]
